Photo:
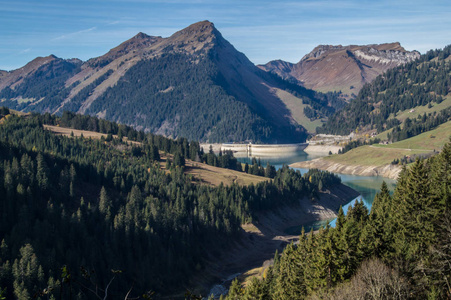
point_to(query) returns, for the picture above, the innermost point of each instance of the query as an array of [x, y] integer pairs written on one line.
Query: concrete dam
[[264, 149]]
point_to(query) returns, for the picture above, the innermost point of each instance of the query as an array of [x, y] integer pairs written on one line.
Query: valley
[[174, 167], [120, 174], [192, 84]]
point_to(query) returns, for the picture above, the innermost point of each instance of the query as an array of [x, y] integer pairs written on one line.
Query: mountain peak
[[197, 30], [201, 26], [343, 68], [39, 61], [320, 50], [141, 36], [198, 36], [395, 46], [139, 41]]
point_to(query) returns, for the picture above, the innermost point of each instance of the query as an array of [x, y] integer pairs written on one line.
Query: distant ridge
[[403, 102], [342, 68]]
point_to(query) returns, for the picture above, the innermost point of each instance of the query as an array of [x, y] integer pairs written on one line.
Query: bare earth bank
[[322, 149], [388, 171], [264, 236]]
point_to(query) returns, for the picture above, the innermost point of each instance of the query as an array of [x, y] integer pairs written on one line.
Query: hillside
[[202, 172], [399, 250], [342, 68], [79, 213], [383, 160], [394, 99], [193, 84]]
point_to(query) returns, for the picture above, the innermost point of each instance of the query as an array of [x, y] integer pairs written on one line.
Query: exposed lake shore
[[388, 170], [266, 234], [322, 149]]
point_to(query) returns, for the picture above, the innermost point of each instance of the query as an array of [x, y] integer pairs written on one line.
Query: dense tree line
[[77, 213], [416, 126], [400, 250], [224, 159], [4, 111], [421, 82], [358, 143], [181, 146], [412, 158]]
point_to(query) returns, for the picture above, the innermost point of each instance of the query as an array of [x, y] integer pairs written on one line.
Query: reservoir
[[367, 186]]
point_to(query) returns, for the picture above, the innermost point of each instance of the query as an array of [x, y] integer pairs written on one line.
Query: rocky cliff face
[[342, 68], [393, 55]]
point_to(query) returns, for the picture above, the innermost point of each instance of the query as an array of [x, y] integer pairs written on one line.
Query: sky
[[263, 30]]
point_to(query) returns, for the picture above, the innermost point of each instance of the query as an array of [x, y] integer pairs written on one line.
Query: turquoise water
[[367, 186], [280, 160]]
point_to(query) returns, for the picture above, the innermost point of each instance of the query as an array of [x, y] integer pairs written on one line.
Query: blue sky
[[263, 30]]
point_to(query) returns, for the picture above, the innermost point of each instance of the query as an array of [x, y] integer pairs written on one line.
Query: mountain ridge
[[342, 68], [228, 78], [391, 100]]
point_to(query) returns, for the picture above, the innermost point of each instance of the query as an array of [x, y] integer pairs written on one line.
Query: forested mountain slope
[[419, 85], [400, 250], [76, 213], [193, 84]]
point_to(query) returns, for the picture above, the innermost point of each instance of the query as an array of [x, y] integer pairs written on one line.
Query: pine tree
[[377, 235], [417, 213], [270, 171], [235, 290], [289, 283], [105, 203], [42, 172], [340, 219]]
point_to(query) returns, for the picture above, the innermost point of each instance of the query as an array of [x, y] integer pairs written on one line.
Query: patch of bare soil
[[207, 174]]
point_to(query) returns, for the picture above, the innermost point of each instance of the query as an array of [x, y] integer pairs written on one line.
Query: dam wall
[[264, 149]]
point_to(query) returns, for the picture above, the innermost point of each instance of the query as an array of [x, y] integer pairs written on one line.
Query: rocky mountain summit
[[342, 68]]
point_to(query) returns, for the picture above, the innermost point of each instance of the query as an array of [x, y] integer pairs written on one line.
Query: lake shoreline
[[387, 171], [322, 149], [260, 239]]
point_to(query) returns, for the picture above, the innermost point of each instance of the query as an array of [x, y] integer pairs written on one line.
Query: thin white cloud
[[64, 36], [25, 51], [114, 22]]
